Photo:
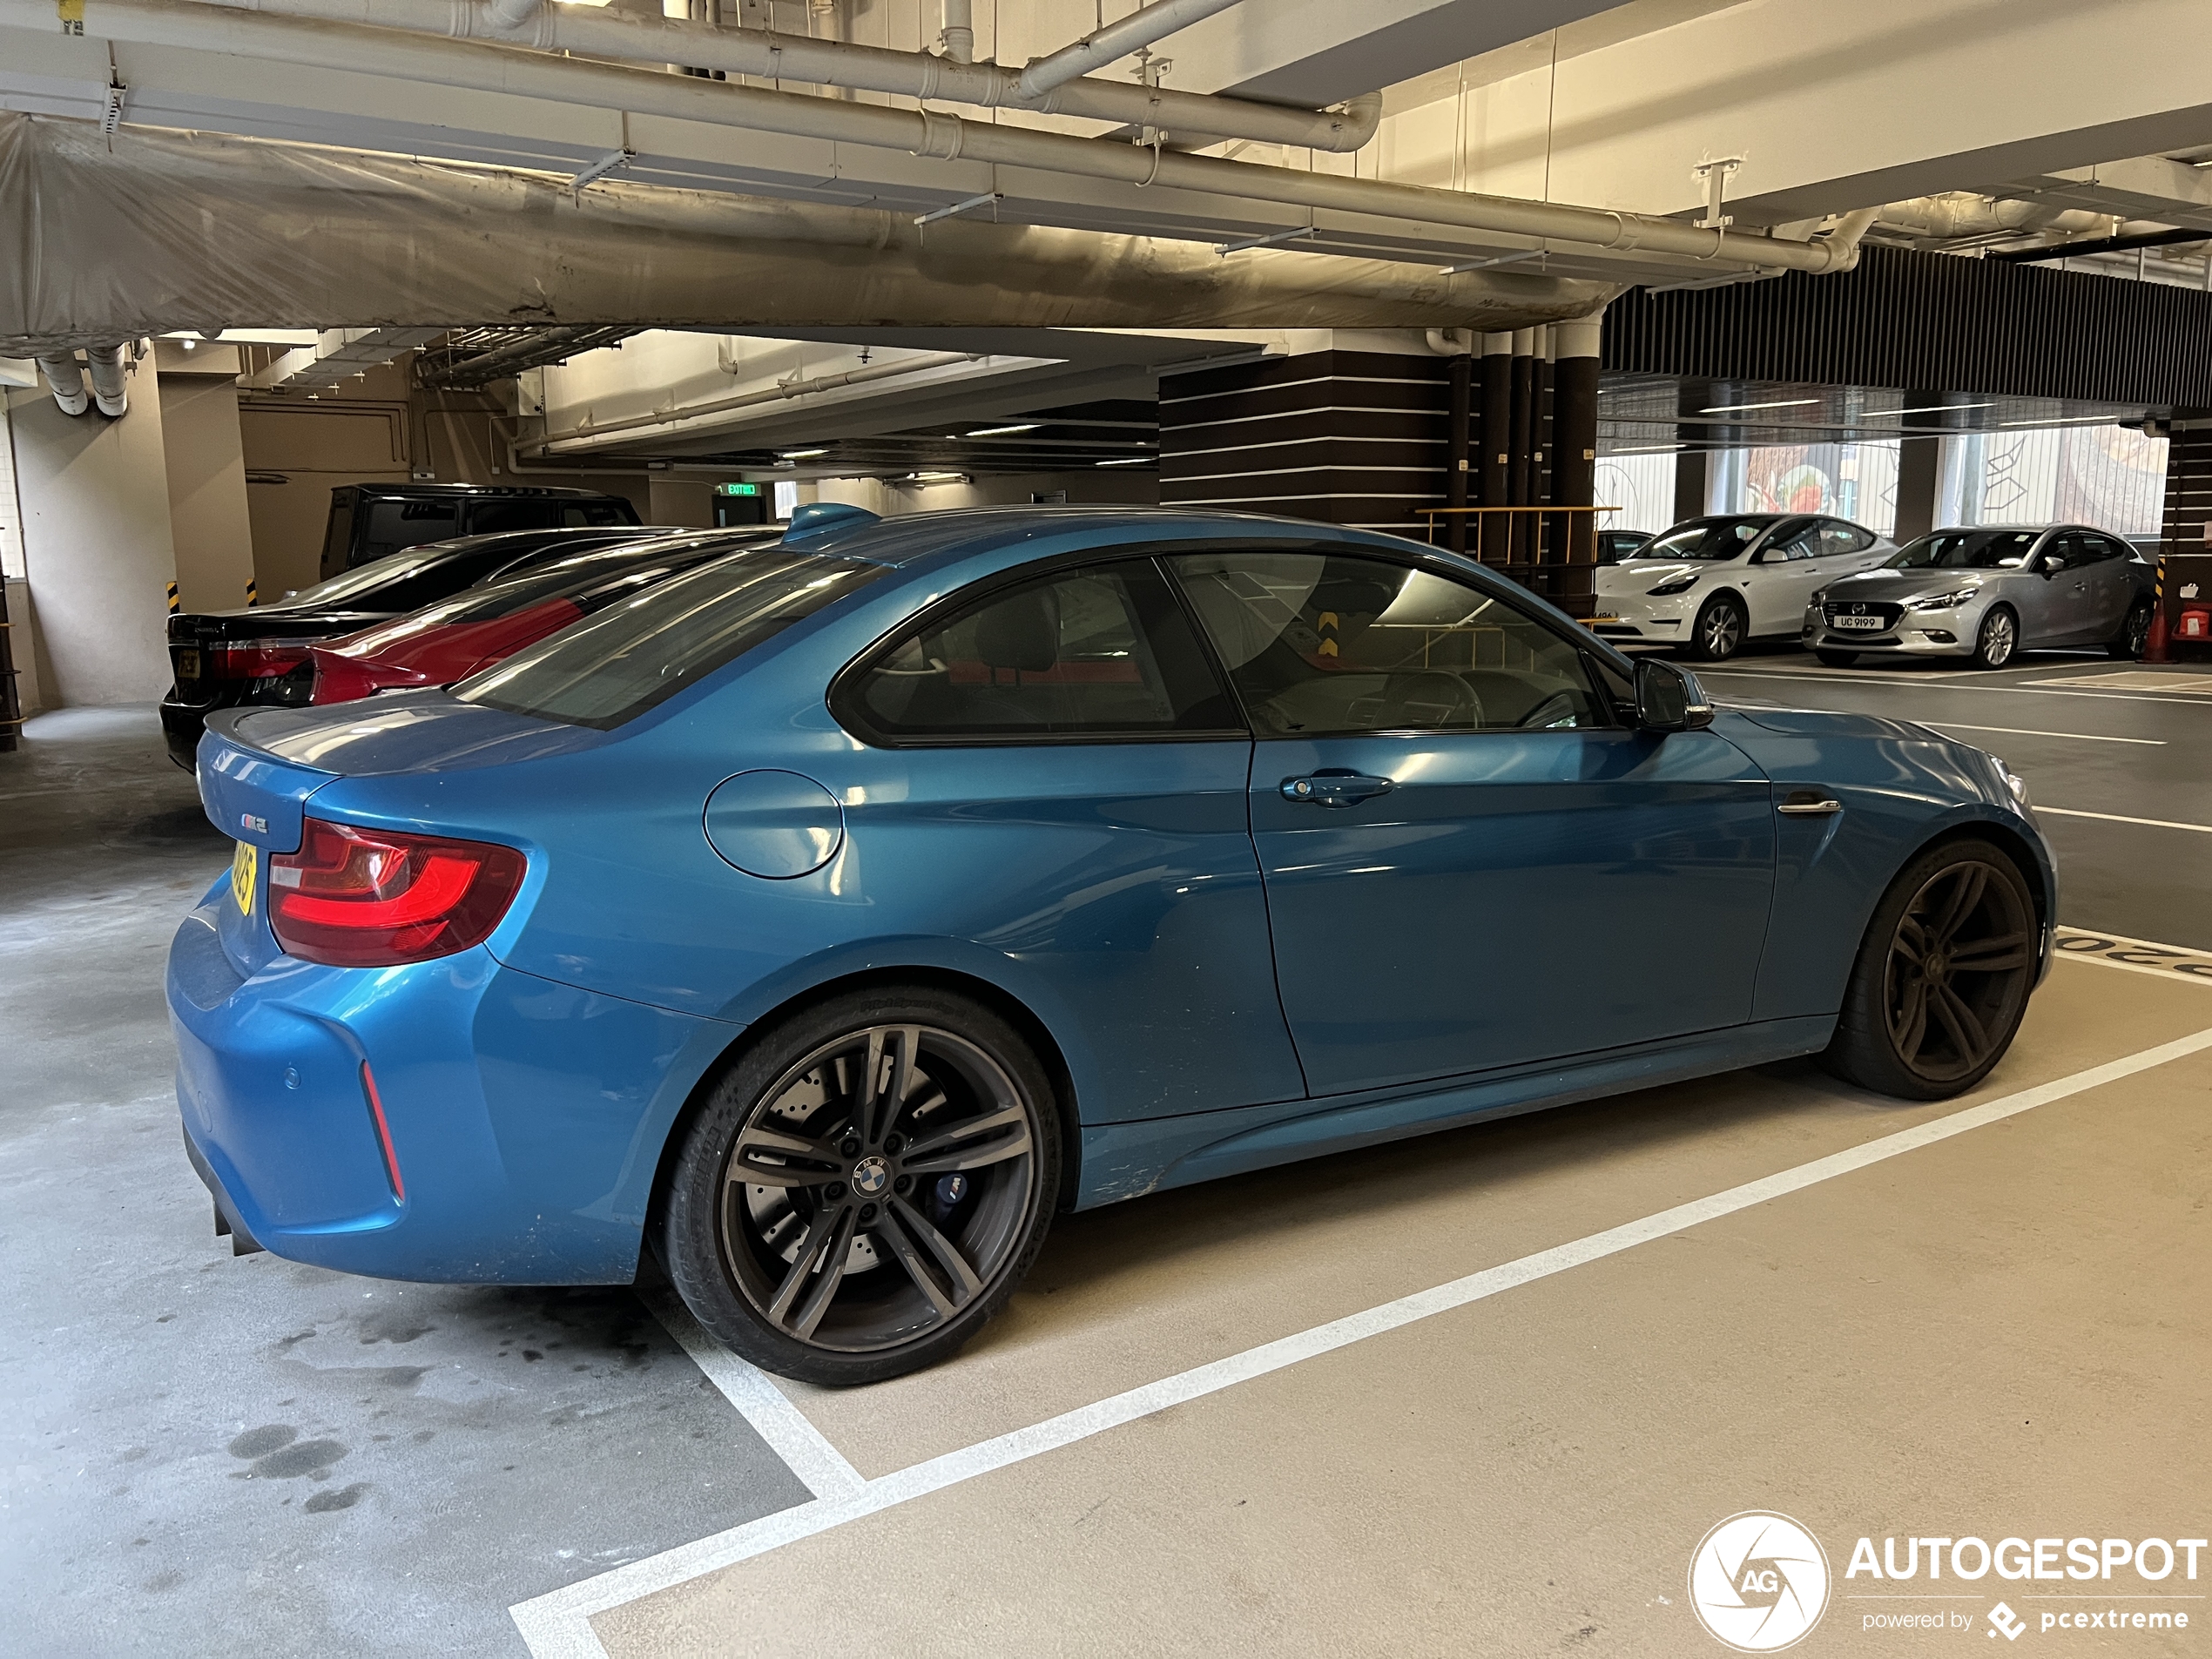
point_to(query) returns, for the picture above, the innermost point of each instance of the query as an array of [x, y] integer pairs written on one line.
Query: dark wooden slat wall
[[1910, 319]]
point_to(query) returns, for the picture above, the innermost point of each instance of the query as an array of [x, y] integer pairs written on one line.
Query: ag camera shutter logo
[[1758, 1583]]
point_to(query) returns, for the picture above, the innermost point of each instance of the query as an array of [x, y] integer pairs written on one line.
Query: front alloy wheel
[[864, 1188], [1998, 638], [1942, 978], [1718, 632]]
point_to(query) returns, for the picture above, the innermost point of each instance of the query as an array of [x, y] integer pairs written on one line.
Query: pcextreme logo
[[1758, 1582]]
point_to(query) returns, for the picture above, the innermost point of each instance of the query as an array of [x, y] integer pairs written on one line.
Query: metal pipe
[[103, 366], [194, 25], [956, 30], [1116, 40], [646, 39], [65, 380], [691, 414]]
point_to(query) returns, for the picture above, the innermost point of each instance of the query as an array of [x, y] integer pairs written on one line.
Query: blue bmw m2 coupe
[[826, 917]]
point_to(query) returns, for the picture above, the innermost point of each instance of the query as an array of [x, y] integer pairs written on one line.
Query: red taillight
[[257, 659], [362, 898]]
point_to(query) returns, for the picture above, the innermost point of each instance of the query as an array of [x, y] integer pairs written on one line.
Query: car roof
[[913, 539], [463, 492]]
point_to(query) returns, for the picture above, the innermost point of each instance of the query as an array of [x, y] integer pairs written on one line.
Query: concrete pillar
[[1458, 420], [210, 529], [1917, 467], [1574, 376], [1691, 467], [1494, 441], [96, 544]]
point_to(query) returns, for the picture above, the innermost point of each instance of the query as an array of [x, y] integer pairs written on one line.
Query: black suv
[[369, 521], [222, 659]]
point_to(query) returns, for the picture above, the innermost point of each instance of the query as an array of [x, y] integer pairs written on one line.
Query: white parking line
[[2114, 817], [1915, 679], [2133, 955], [803, 1447], [558, 1625], [2023, 731]]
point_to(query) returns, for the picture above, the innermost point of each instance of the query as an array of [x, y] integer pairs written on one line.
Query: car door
[[2112, 587], [1469, 862], [2054, 606], [1050, 774], [1782, 576]]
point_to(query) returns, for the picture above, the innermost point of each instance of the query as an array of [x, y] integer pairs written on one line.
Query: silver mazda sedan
[[1987, 593]]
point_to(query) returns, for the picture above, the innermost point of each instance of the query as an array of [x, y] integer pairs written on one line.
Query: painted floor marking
[[1974, 684], [2114, 817], [2023, 731], [2136, 955], [2138, 680], [802, 1446], [558, 1625]]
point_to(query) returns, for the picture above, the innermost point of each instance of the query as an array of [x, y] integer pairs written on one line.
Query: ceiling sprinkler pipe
[[66, 382], [195, 25], [950, 78], [776, 394], [956, 30], [1116, 40]]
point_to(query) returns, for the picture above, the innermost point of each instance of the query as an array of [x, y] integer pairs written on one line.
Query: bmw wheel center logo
[[870, 1176], [1758, 1582]]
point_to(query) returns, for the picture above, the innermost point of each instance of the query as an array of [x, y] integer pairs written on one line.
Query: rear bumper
[[526, 1119], [181, 725]]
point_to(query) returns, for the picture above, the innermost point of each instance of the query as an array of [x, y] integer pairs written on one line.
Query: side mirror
[[1669, 698]]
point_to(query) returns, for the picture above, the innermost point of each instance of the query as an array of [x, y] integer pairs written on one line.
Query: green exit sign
[[737, 489]]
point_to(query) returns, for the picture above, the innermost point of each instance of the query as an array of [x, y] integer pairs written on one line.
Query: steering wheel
[[1557, 710], [1431, 699]]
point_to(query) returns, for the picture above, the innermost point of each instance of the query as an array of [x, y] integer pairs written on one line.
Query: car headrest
[[1021, 632]]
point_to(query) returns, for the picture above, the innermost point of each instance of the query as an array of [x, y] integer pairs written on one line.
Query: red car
[[450, 640]]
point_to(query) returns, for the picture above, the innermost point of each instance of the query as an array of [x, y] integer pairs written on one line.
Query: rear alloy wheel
[[865, 1187], [1718, 632], [1836, 658], [1998, 638], [2135, 633], [1942, 978]]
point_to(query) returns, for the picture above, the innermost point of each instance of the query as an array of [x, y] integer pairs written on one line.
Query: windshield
[[635, 654], [1706, 538], [1967, 551]]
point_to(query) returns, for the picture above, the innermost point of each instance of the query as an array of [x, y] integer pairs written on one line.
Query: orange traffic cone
[[2155, 647]]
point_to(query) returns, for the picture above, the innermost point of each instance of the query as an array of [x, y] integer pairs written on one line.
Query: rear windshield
[[365, 579], [1706, 538], [1967, 551], [614, 666]]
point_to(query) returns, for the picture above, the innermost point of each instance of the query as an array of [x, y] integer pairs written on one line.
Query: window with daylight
[[2111, 477], [1852, 480], [1641, 486]]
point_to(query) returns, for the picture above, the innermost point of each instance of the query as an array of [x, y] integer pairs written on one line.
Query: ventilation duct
[[153, 233]]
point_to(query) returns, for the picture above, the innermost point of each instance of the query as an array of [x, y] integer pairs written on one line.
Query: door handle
[[1335, 786], [1809, 803]]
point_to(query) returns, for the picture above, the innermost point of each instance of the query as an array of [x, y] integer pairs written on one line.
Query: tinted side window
[[596, 514], [1096, 652], [395, 524], [1800, 540], [1837, 538], [490, 517], [1319, 643]]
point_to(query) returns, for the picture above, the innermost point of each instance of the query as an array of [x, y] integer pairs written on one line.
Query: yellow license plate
[[244, 862], [188, 664]]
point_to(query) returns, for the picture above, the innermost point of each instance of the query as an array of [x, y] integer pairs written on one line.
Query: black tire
[[2135, 633], [968, 1104], [1923, 1034], [1721, 629], [1836, 658], [1998, 640]]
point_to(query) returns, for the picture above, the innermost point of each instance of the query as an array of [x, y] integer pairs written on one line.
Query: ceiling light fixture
[[934, 478], [2066, 420], [1130, 461], [802, 455], [1646, 449], [1786, 403], [1001, 431]]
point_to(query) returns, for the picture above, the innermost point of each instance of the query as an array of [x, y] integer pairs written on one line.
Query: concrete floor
[[2000, 1332]]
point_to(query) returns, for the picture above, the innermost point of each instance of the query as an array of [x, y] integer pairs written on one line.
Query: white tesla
[[1709, 584]]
